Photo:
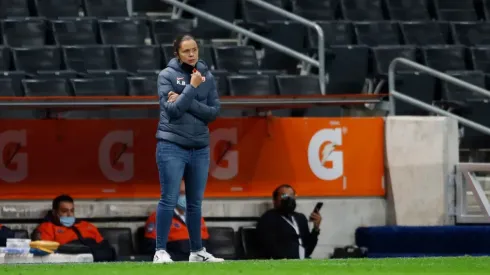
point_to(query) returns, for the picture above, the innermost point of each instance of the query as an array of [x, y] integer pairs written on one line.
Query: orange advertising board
[[250, 157]]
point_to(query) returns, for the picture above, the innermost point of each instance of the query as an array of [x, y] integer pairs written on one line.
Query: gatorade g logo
[[224, 164], [13, 164], [115, 162], [324, 161]]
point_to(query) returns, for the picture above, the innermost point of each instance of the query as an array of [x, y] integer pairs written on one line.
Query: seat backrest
[[422, 33], [79, 31], [14, 8], [377, 33], [59, 8], [6, 87], [165, 30], [135, 32], [298, 85], [417, 85], [47, 58], [106, 8], [222, 242], [408, 10], [254, 13], [5, 59], [335, 33], [13, 87], [456, 93], [83, 58], [46, 87], [104, 86], [249, 242], [20, 234], [141, 57], [316, 9], [235, 58], [455, 10], [142, 86], [26, 32], [251, 85], [120, 238], [359, 10], [445, 58], [384, 55], [471, 33], [220, 77], [480, 57]]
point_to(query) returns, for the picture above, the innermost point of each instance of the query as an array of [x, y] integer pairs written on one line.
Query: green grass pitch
[[460, 265]]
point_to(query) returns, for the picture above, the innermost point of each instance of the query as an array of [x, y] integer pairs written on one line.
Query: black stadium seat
[[360, 10], [25, 32], [316, 9], [14, 8], [6, 87], [251, 85], [445, 58], [139, 58], [15, 79], [335, 33], [59, 8], [46, 87], [120, 238], [408, 10], [5, 59], [235, 58], [480, 57], [74, 31], [249, 243], [377, 33], [21, 234], [106, 8], [221, 242], [384, 55], [136, 31], [142, 86], [417, 85], [471, 33], [422, 33], [453, 93], [33, 60], [455, 10], [95, 87], [165, 30], [298, 85], [254, 13]]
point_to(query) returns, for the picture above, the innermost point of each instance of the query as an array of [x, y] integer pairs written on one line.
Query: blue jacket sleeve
[[207, 112], [184, 100]]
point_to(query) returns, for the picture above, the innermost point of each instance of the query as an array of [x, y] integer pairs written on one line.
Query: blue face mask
[[182, 203], [67, 221]]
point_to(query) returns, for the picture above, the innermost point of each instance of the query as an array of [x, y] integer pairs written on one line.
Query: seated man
[[61, 226], [178, 245], [283, 233], [5, 233]]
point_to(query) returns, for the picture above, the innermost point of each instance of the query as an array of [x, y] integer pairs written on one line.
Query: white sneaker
[[203, 256], [162, 257]]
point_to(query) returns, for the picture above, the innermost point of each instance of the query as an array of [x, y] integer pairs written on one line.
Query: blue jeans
[[174, 163]]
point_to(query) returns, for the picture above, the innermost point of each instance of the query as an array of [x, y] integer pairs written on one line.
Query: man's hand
[[316, 218], [172, 97]]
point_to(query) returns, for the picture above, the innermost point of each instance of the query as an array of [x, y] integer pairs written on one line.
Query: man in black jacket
[[284, 233]]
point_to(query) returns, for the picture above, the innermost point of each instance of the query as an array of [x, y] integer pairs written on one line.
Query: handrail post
[[227, 25], [309, 23]]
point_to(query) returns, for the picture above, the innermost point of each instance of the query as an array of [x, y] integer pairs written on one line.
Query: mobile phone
[[318, 206]]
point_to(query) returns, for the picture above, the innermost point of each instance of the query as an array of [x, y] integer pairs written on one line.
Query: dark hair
[[62, 198], [178, 41], [276, 191]]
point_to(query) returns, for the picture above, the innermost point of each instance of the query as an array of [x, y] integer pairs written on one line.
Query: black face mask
[[187, 68], [288, 205]]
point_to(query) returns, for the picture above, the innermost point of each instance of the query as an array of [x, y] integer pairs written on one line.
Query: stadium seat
[[25, 32], [225, 10], [298, 85], [220, 77], [84, 58], [46, 87], [422, 33], [120, 238], [406, 10], [135, 31], [486, 8], [445, 58], [289, 34], [21, 234], [377, 33], [74, 31], [417, 85], [251, 85], [249, 243], [471, 33], [142, 86], [15, 79], [349, 70], [384, 55], [59, 8], [235, 58], [335, 33], [455, 10], [254, 13], [480, 57], [33, 60], [14, 8], [362, 10], [6, 87], [106, 8], [5, 59], [139, 58], [321, 10], [479, 112], [119, 77], [56, 74], [453, 93], [165, 30], [96, 87], [222, 242]]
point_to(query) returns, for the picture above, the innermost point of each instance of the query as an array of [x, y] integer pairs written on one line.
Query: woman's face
[[188, 52]]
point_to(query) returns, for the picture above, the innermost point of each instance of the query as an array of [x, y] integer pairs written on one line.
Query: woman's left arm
[[207, 112]]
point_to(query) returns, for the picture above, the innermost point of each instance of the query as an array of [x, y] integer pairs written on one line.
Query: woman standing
[[188, 102]]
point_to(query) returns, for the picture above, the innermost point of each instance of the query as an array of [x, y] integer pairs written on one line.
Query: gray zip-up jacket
[[185, 121]]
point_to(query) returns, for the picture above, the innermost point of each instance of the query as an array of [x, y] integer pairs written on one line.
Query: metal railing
[[465, 176], [261, 39]]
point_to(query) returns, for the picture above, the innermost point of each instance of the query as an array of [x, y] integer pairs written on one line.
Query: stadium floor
[[461, 265]]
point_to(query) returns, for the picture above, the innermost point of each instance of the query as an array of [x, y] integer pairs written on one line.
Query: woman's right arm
[[184, 100]]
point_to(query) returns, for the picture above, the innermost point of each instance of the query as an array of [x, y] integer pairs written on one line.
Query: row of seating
[[223, 241]]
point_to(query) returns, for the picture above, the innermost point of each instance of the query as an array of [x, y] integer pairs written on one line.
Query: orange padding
[[250, 157]]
